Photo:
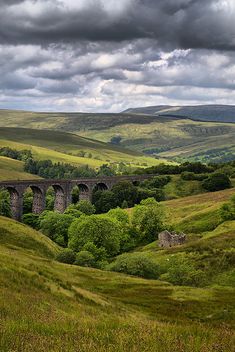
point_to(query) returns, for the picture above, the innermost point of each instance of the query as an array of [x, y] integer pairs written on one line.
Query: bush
[[85, 258], [180, 271], [66, 256], [158, 181], [216, 182], [191, 176], [136, 264], [227, 211]]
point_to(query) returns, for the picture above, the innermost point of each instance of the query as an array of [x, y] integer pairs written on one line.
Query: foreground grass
[[48, 306]]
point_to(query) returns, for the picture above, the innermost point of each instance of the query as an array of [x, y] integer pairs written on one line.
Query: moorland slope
[[175, 137]]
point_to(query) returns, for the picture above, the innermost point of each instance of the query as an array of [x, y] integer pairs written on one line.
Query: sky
[[110, 55]]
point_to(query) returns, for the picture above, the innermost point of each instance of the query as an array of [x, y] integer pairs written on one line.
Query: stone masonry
[[170, 239], [63, 190]]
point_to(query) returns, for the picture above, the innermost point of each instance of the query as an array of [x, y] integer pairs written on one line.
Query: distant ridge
[[213, 113]]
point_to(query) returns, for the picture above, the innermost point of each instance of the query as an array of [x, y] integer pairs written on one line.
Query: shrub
[[85, 258], [216, 182], [136, 264], [191, 176], [66, 256], [227, 211], [180, 271]]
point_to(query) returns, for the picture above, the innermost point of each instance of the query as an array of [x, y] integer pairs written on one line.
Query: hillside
[[46, 305], [69, 148], [13, 170], [216, 113], [209, 239], [169, 137]]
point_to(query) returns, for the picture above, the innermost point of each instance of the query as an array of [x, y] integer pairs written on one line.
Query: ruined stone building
[[169, 239]]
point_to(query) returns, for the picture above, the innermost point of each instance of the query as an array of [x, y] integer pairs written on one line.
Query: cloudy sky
[[108, 55]]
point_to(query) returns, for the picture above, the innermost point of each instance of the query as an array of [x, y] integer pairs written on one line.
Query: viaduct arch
[[63, 191]]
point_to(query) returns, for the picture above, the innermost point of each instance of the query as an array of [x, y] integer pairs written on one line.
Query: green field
[[66, 148], [13, 170], [46, 305], [166, 137]]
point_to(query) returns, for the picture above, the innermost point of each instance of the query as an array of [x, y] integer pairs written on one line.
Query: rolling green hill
[[13, 170], [51, 306], [162, 136], [67, 148]]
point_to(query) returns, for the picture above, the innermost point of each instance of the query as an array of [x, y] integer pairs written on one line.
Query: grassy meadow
[[50, 306], [46, 305]]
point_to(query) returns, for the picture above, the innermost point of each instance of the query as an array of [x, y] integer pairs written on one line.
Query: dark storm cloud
[[183, 23], [108, 55]]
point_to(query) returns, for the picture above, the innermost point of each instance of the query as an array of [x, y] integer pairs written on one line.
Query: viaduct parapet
[[63, 191]]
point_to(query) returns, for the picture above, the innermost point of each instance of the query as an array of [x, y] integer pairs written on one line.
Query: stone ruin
[[170, 239]]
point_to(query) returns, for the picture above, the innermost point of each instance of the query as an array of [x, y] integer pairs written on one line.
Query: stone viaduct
[[63, 191]]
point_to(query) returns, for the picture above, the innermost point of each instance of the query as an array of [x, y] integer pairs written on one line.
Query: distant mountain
[[215, 113]]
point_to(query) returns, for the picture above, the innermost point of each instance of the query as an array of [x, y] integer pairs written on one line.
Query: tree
[[101, 230], [86, 207], [124, 205], [5, 209], [105, 170], [125, 190], [73, 211], [55, 226], [148, 219], [104, 201], [28, 202], [116, 140], [32, 220], [120, 215], [216, 182]]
